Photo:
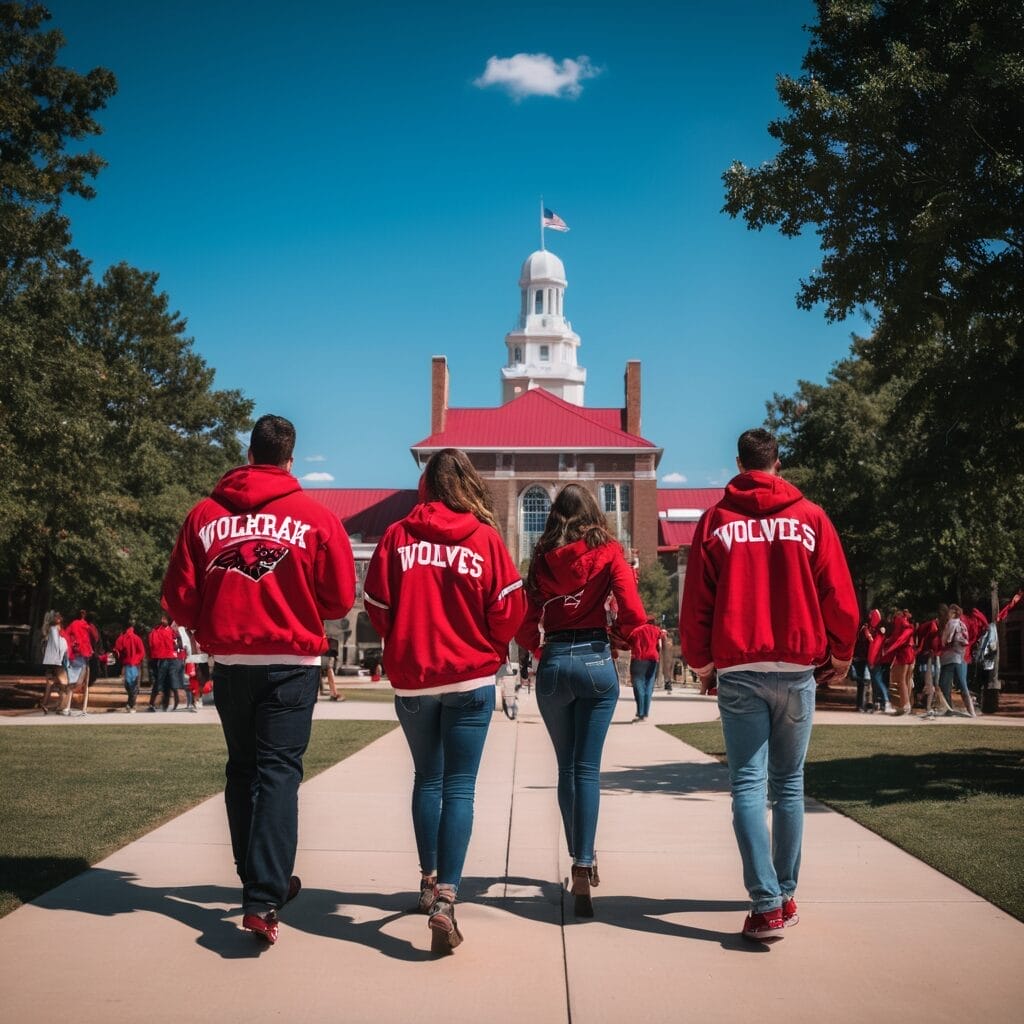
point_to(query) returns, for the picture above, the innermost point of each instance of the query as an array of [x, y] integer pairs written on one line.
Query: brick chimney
[[632, 410], [438, 394]]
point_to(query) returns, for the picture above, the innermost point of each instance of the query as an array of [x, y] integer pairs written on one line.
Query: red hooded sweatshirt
[[161, 643], [128, 647], [80, 636], [899, 647], [443, 592], [573, 585], [876, 638], [257, 568], [766, 581], [644, 642]]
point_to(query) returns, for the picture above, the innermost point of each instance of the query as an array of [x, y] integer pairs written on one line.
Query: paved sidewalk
[[152, 932]]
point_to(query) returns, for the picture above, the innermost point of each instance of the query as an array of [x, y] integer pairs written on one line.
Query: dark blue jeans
[[446, 737], [266, 712], [641, 675], [577, 689], [163, 681]]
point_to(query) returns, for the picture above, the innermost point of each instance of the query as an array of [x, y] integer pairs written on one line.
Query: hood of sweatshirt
[[899, 621], [874, 618], [436, 522], [756, 494], [248, 487], [565, 569]]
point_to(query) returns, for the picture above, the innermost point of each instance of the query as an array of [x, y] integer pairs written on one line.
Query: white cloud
[[719, 478], [317, 478], [673, 478], [315, 458], [537, 74]]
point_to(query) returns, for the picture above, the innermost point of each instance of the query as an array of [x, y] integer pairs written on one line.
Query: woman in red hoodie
[[444, 594], [576, 567], [899, 647]]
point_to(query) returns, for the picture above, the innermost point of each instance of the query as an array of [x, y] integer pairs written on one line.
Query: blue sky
[[334, 193]]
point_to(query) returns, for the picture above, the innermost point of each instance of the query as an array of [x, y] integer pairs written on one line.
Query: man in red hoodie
[[257, 568], [767, 597], [129, 649]]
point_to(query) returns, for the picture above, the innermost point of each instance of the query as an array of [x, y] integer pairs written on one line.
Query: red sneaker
[[790, 916], [264, 925], [764, 927]]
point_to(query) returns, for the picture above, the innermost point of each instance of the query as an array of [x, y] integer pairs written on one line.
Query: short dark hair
[[272, 441], [757, 449]]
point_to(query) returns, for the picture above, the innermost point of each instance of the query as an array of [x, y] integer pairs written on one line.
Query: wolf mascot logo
[[252, 558]]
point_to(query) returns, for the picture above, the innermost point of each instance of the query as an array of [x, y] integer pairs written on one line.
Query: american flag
[[553, 221]]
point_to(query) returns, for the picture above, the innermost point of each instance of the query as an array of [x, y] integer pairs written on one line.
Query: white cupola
[[542, 348]]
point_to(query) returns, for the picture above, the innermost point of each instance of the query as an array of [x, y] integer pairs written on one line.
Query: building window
[[545, 353], [517, 355], [505, 462], [538, 301], [567, 462], [615, 504], [536, 503]]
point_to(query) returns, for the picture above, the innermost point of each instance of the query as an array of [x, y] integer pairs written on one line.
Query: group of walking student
[[259, 565]]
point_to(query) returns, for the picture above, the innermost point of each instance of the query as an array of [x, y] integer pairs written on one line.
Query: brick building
[[541, 437]]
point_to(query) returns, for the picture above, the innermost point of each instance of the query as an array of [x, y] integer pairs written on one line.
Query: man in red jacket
[[257, 568], [162, 656], [767, 597], [128, 648]]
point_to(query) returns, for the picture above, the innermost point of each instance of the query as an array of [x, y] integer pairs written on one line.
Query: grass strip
[[951, 796], [72, 795], [381, 695]]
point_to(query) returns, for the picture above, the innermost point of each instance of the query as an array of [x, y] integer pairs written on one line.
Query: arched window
[[616, 504], [533, 514]]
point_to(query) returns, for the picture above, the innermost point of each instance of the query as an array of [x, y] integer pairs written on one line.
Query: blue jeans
[[641, 675], [766, 720], [163, 681], [946, 676], [446, 737], [879, 690], [577, 690], [131, 683], [266, 712]]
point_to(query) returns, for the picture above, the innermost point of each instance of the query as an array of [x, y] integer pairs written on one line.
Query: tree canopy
[[110, 426], [902, 146]]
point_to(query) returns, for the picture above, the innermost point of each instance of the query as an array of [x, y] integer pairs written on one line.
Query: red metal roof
[[674, 534], [536, 419], [365, 512]]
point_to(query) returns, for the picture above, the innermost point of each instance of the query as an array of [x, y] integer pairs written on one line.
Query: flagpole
[[542, 224]]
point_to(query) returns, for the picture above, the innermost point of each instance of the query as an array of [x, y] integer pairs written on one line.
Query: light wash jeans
[[641, 675], [577, 690], [446, 736], [766, 719]]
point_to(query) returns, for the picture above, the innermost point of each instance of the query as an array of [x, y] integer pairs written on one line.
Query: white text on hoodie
[[260, 524], [759, 531], [444, 556]]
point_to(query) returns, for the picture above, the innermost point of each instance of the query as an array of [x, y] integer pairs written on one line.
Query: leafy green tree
[[657, 593], [109, 423], [903, 146]]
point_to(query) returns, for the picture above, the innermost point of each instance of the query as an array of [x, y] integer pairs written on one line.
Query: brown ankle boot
[[444, 932], [582, 878]]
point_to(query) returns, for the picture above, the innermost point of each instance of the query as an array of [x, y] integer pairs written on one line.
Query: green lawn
[[72, 795], [379, 695], [951, 796]]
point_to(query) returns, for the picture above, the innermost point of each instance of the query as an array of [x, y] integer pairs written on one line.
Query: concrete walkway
[[151, 934]]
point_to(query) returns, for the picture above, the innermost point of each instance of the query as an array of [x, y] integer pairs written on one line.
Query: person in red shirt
[[767, 597], [645, 644], [79, 635], [130, 651], [577, 574], [446, 597], [163, 658], [257, 568], [899, 649]]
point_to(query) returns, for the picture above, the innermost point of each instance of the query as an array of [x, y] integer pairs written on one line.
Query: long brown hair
[[575, 515], [450, 478]]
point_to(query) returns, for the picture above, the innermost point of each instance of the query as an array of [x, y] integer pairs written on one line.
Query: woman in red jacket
[[576, 567], [444, 594], [899, 647]]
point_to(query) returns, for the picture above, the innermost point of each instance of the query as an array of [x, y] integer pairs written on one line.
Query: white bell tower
[[542, 348]]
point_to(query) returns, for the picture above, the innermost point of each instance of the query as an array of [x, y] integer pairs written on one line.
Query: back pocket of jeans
[[800, 703], [602, 674], [547, 679]]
